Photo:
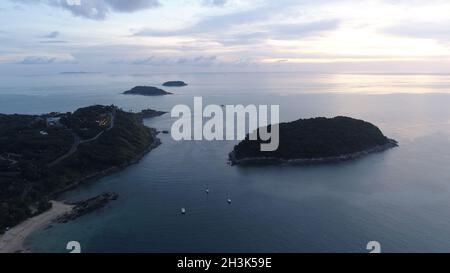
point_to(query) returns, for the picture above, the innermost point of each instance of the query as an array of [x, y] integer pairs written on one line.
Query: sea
[[399, 198]]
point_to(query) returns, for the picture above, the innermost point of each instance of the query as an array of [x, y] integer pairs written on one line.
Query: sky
[[395, 36]]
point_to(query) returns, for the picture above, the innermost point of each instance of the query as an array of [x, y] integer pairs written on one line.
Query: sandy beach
[[12, 241]]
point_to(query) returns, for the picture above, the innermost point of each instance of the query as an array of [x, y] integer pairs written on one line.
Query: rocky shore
[[311, 161], [84, 207]]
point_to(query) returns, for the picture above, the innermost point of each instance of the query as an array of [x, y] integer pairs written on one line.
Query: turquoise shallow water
[[400, 198]]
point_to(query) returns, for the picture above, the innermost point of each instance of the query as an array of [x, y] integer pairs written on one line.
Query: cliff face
[[40, 160], [317, 140]]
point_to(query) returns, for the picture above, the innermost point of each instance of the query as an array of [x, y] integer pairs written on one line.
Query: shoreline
[[13, 240], [111, 170], [311, 161]]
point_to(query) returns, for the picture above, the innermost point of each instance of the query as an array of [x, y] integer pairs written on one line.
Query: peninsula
[[43, 155], [316, 140], [146, 91]]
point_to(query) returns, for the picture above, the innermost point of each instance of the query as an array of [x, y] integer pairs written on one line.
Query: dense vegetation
[[86, 121], [146, 91], [317, 138], [27, 181]]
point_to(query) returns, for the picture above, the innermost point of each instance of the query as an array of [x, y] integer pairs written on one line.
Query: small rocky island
[[316, 140], [175, 84], [146, 91], [150, 113], [43, 155]]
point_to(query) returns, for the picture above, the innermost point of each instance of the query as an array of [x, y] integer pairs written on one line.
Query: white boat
[[207, 191], [229, 201], [183, 210]]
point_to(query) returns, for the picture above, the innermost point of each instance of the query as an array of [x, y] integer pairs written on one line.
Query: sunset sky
[[224, 35]]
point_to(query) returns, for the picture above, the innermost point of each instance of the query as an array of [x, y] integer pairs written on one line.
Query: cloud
[[54, 42], [251, 25], [132, 5], [41, 60], [281, 32], [214, 3], [424, 30], [52, 35], [96, 9], [52, 38], [214, 24], [286, 31], [191, 61], [38, 60]]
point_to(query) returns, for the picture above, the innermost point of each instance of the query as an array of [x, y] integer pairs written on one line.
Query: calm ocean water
[[400, 198]]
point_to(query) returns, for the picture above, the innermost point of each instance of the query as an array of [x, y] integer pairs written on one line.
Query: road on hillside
[[78, 141]]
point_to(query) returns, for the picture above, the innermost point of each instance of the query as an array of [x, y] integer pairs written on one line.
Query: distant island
[[150, 113], [316, 140], [78, 73], [43, 155], [175, 84], [146, 91]]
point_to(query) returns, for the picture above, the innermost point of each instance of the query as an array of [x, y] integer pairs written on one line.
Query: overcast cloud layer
[[325, 35], [95, 9]]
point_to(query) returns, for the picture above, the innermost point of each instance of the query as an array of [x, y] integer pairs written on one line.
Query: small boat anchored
[[207, 191], [229, 201], [183, 211]]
